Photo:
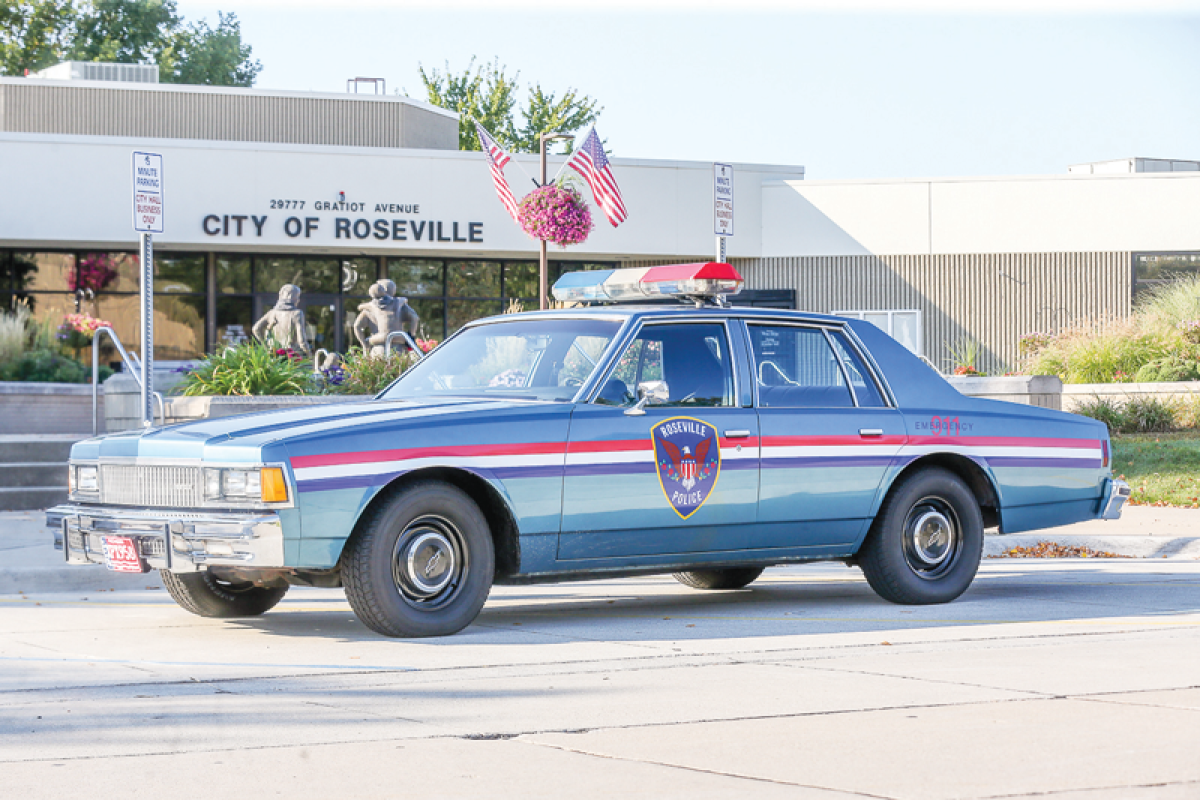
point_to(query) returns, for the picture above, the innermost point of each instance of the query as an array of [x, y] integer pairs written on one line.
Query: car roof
[[624, 311]]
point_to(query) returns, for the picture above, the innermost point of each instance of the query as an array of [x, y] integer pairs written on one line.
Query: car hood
[[243, 438]]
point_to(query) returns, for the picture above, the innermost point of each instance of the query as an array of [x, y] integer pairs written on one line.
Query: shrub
[[1148, 414], [249, 368], [1178, 367], [1164, 307], [47, 366], [361, 373], [1099, 353], [1107, 410]]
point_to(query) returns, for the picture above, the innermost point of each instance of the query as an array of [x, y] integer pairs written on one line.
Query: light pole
[[543, 264]]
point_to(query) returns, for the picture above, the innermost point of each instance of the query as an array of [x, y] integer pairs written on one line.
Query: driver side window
[[692, 359]]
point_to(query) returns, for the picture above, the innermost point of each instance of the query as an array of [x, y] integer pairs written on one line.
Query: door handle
[[737, 434], [870, 431]]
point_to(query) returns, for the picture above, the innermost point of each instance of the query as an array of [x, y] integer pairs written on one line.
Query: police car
[[601, 440]]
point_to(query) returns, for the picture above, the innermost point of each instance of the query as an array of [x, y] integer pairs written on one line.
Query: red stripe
[[377, 456], [1004, 441], [748, 441], [830, 441], [614, 446]]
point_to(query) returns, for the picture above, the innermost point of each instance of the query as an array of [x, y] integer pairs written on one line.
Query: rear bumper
[[174, 539], [1116, 492]]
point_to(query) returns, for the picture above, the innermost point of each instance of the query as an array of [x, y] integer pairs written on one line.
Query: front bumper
[[1116, 492], [175, 539]]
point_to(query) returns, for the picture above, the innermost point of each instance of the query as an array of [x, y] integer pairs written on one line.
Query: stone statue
[[383, 315], [284, 324]]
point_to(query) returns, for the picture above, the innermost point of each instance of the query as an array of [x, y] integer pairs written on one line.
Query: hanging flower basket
[[555, 213]]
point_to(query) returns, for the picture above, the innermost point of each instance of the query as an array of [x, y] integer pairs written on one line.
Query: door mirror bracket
[[649, 393]]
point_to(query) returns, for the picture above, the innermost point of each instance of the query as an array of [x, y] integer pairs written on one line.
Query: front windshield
[[529, 359]]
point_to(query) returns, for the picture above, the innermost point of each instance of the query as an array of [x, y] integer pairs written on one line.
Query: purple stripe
[[1067, 463], [633, 468], [542, 471]]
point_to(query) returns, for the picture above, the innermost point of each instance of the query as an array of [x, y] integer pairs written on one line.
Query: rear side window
[[796, 368], [865, 389]]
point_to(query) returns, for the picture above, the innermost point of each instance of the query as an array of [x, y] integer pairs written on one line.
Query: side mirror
[[649, 393]]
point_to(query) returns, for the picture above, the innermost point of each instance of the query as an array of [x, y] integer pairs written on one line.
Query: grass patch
[[1162, 468]]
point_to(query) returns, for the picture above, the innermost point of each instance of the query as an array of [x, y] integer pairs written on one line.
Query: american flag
[[590, 162], [497, 158]]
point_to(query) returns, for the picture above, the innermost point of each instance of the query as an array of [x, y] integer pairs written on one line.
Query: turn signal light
[[274, 488]]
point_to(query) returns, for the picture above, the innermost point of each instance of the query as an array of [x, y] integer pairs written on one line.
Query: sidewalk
[[29, 562]]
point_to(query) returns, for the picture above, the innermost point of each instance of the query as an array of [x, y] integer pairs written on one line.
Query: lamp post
[[543, 264]]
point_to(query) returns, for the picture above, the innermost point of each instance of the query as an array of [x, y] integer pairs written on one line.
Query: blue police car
[[600, 440]]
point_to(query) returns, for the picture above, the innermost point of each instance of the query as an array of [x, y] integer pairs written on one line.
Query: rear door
[[829, 435], [679, 477]]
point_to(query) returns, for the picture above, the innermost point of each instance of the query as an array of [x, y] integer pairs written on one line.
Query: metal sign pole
[[146, 297]]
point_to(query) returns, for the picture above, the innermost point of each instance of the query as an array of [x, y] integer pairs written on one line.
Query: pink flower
[[556, 214]]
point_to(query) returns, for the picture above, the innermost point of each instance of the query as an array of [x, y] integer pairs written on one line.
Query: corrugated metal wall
[[222, 116], [991, 298]]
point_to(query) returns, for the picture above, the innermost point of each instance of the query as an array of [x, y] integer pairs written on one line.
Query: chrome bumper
[[1115, 494], [177, 540]]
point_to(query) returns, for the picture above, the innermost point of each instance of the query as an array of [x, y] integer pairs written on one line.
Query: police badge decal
[[687, 457]]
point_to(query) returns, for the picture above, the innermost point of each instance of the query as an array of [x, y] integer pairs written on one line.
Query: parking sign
[[147, 192]]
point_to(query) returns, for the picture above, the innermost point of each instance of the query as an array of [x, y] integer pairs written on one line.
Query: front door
[[680, 476]]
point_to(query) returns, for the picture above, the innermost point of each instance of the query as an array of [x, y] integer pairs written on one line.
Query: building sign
[[147, 192], [723, 199]]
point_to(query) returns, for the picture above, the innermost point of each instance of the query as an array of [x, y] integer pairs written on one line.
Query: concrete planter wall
[[1075, 393], [32, 408], [1031, 390]]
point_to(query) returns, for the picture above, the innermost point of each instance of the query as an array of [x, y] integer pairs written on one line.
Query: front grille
[[152, 548], [171, 487]]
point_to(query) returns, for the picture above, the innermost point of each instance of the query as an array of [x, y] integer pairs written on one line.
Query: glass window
[[44, 272], [1155, 269], [473, 279], [527, 359], [865, 390], [235, 318], [178, 327], [112, 272], [460, 312], [692, 359], [418, 277], [233, 275], [358, 274], [312, 275], [521, 281], [433, 318], [795, 368], [320, 320], [903, 325], [177, 273]]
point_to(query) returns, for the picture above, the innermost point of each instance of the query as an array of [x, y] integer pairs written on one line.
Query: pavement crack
[[1119, 786]]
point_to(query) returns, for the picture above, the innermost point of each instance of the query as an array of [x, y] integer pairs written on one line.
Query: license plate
[[121, 555]]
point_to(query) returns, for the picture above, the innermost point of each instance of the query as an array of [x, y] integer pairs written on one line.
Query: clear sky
[[855, 89]]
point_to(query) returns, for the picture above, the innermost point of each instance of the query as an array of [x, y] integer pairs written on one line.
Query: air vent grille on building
[[99, 71]]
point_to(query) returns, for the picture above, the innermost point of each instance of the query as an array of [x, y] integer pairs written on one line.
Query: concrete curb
[[1184, 547], [71, 579]]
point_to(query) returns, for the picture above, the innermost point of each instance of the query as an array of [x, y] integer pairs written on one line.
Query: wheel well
[[495, 510], [971, 473]]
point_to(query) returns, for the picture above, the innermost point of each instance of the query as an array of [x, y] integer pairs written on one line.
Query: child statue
[[383, 315], [284, 324]]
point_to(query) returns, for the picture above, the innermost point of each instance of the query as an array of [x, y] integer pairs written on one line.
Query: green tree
[[38, 33], [34, 34], [488, 95]]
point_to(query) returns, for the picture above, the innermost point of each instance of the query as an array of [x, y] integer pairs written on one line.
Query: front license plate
[[121, 554]]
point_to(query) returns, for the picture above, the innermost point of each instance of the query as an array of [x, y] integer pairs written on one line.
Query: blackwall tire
[[421, 563], [926, 542], [205, 595], [729, 578]]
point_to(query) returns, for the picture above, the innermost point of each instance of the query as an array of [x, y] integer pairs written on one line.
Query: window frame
[[873, 371], [636, 331], [858, 314]]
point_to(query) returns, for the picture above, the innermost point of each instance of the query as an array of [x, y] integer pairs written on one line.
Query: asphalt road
[[1068, 678]]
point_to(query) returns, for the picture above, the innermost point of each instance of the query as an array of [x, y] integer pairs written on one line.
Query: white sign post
[[722, 205], [147, 220]]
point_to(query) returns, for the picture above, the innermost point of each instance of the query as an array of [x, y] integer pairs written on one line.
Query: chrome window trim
[[644, 322], [841, 367], [885, 390]]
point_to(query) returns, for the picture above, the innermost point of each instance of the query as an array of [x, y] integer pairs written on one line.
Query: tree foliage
[[35, 34], [488, 95]]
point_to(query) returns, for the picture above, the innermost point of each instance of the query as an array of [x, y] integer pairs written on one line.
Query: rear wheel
[[925, 545], [206, 595], [421, 563], [730, 578]]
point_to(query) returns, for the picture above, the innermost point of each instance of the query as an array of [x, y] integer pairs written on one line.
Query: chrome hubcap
[[931, 538], [429, 562]]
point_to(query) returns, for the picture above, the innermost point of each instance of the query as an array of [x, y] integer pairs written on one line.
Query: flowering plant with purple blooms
[[555, 213], [1190, 330], [334, 376]]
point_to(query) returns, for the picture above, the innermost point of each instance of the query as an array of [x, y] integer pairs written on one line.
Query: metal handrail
[[317, 360], [132, 364], [387, 344]]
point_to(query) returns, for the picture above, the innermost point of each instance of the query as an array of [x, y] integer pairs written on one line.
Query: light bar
[[705, 279]]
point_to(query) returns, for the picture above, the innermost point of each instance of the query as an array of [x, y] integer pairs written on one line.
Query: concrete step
[[45, 448], [32, 473], [28, 498]]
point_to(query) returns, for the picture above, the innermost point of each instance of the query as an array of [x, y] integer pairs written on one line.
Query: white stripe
[[405, 464]]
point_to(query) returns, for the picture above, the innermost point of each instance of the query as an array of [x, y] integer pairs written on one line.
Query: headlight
[[260, 485], [83, 480]]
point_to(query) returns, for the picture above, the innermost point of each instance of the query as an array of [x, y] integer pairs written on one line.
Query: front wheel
[[206, 595], [421, 564], [925, 545]]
